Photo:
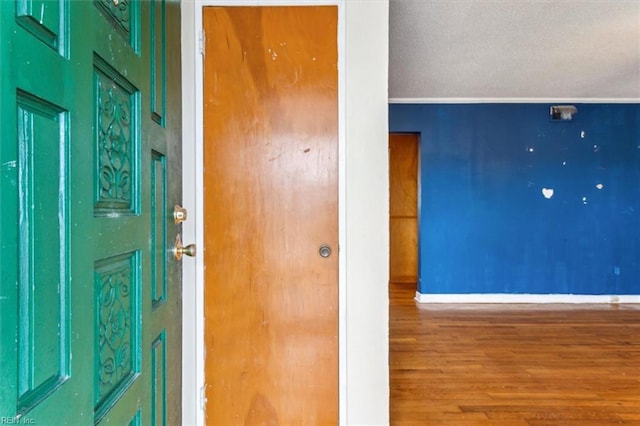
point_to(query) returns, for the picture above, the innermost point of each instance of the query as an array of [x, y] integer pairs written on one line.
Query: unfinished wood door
[[271, 202], [403, 207]]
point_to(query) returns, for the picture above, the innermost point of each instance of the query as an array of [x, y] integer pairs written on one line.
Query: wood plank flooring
[[512, 364]]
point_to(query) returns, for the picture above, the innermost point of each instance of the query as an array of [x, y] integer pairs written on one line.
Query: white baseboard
[[525, 298], [514, 100]]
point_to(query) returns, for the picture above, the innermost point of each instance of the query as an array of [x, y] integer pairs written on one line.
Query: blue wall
[[485, 225]]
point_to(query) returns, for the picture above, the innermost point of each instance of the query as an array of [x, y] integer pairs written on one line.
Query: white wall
[[367, 200], [363, 192], [575, 49]]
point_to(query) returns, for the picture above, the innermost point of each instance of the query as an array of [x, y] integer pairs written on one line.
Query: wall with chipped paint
[[511, 202]]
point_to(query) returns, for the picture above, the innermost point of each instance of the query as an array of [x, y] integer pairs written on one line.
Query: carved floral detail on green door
[[118, 325], [119, 13], [117, 104]]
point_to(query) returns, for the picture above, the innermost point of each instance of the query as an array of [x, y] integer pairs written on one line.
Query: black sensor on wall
[[562, 112]]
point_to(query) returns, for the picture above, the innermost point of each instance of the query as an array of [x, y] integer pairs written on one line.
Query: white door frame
[[363, 311]]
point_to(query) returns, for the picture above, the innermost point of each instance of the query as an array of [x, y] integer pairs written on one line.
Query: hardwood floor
[[512, 364]]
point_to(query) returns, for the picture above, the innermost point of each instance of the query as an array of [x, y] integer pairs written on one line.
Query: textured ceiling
[[561, 49]]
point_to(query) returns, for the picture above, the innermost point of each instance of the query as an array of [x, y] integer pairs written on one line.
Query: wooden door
[[90, 172], [271, 202], [403, 207]]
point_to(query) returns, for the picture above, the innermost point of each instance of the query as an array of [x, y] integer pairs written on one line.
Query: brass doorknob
[[179, 214], [180, 250]]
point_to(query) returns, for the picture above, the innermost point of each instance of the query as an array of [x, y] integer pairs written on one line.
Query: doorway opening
[[403, 208]]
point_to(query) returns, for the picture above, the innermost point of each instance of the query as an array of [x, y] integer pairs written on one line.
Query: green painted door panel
[[90, 170]]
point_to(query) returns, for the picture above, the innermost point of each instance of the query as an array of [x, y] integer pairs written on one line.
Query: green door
[[90, 171]]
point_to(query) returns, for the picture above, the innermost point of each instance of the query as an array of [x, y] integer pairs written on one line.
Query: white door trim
[[192, 182], [193, 269]]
